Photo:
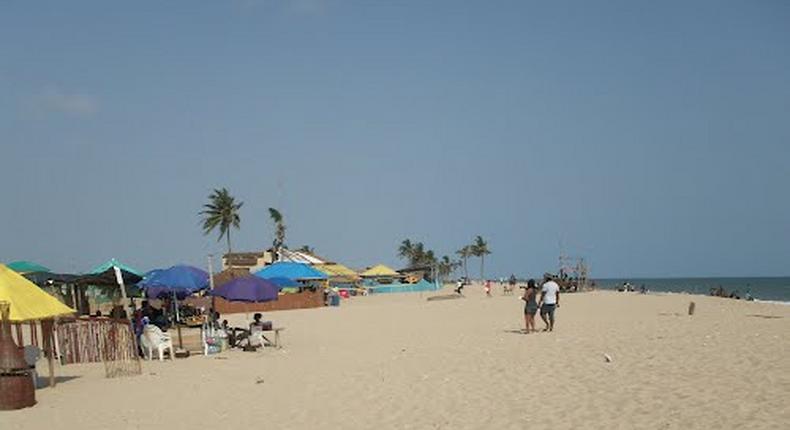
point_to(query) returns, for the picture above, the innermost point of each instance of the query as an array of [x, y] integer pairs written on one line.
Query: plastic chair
[[256, 336], [154, 338]]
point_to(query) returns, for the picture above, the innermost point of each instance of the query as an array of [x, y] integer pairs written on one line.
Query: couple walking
[[548, 302]]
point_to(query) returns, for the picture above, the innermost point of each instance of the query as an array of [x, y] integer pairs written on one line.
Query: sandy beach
[[399, 361]]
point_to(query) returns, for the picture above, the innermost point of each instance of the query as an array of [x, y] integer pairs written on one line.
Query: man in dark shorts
[[549, 301]]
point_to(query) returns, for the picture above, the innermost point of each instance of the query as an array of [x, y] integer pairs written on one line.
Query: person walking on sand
[[549, 302], [488, 288], [531, 306]]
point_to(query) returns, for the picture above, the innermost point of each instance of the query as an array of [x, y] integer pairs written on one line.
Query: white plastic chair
[[154, 338], [256, 336]]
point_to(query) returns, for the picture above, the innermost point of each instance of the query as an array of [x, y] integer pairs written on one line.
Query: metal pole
[[211, 285]]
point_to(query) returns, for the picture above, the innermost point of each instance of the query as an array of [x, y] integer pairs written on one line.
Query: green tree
[[465, 252], [406, 250], [480, 249], [446, 266], [221, 212], [279, 232]]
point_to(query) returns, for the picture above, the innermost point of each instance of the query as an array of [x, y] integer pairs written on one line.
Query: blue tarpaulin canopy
[[284, 282], [290, 270], [181, 280]]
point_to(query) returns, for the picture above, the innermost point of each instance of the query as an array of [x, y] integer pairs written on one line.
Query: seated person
[[258, 324], [257, 327]]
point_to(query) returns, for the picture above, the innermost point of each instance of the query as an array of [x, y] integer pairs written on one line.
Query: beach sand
[[399, 361]]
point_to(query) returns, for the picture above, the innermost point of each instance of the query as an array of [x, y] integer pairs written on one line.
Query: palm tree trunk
[[466, 271], [227, 236], [482, 267]]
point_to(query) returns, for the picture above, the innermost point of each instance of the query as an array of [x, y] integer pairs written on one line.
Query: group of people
[[547, 300], [734, 294]]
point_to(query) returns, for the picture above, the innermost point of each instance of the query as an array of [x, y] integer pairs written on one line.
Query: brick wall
[[284, 302]]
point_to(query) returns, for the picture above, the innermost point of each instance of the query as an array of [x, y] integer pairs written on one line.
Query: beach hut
[[286, 285], [379, 271], [379, 274], [26, 302], [111, 277]]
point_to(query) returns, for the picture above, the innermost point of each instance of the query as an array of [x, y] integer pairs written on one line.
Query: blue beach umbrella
[[180, 281], [247, 289]]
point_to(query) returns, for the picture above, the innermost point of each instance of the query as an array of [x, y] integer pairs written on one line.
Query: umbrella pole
[[178, 326]]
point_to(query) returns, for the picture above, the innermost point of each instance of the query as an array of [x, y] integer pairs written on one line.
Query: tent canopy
[[109, 264], [107, 278], [379, 270], [284, 282], [26, 266], [334, 270], [28, 302], [286, 269]]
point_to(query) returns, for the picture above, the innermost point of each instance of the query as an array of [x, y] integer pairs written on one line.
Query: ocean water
[[767, 289]]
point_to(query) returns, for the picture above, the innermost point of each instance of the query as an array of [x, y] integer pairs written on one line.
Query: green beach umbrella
[[26, 267]]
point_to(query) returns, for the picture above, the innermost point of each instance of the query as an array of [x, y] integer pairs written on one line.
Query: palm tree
[[480, 249], [446, 266], [406, 250], [465, 253], [428, 258], [221, 212], [279, 231], [418, 254]]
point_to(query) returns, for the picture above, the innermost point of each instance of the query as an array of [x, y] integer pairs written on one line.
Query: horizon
[[648, 139]]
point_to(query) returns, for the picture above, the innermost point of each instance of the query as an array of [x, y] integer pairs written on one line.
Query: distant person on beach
[[459, 287], [549, 302], [531, 306], [487, 288]]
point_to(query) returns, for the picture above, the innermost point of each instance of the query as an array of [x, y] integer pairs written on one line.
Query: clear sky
[[652, 138]]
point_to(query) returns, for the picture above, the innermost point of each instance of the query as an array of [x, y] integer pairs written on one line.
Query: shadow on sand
[[43, 380]]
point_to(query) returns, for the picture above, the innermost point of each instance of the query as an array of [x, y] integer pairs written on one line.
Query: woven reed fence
[[111, 342]]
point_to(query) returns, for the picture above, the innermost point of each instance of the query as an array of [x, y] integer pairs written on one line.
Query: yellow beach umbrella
[[28, 301]]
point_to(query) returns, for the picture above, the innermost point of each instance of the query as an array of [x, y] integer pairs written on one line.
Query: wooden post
[[46, 334], [692, 307]]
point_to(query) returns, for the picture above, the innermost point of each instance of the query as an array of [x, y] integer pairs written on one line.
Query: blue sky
[[652, 138]]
